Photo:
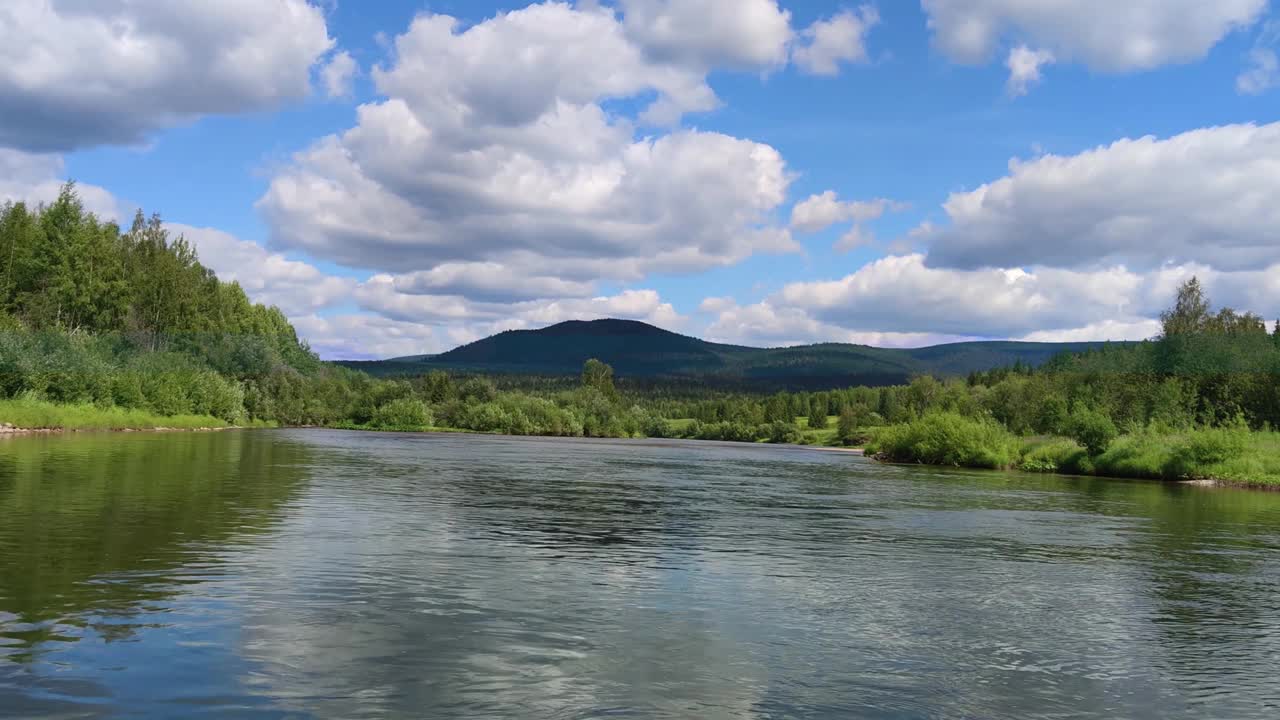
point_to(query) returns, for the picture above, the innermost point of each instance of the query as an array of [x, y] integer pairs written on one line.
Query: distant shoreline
[[10, 431], [7, 430]]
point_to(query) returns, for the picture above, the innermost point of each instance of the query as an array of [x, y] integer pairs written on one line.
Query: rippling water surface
[[344, 575]]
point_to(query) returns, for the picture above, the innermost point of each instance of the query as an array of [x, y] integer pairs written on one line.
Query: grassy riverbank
[[1232, 454], [28, 414]]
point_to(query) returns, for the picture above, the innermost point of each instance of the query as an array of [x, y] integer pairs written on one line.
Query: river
[[309, 573]]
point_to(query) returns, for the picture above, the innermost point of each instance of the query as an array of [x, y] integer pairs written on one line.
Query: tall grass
[[1229, 453], [1232, 454], [31, 414]]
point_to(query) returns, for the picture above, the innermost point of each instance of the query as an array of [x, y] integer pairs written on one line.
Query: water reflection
[[101, 534], [330, 574]]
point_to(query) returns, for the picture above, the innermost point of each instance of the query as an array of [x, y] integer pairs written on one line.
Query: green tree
[[847, 426], [1093, 429], [1190, 312], [599, 376]]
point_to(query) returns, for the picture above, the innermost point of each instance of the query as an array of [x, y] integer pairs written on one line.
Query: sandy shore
[[848, 451]]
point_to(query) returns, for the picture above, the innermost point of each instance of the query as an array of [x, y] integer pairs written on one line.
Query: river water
[[306, 573]]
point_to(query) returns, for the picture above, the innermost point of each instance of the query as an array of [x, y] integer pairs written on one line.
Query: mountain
[[637, 350]]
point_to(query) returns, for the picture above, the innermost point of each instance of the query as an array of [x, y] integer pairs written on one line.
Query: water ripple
[[327, 574]]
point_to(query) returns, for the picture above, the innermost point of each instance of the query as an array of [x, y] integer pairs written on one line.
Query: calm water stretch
[[344, 575]]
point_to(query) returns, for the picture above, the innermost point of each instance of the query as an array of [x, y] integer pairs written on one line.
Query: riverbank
[[27, 417], [1219, 456], [1228, 456]]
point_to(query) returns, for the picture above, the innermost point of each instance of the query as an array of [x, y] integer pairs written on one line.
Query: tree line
[[92, 313]]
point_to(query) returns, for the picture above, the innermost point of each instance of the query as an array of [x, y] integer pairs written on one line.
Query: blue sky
[[667, 160]]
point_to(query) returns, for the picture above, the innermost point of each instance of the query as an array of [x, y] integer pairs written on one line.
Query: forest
[[105, 327]]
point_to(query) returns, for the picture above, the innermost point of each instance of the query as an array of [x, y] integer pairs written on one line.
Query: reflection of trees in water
[[536, 578], [1213, 586], [105, 524], [1149, 584], [1204, 551]]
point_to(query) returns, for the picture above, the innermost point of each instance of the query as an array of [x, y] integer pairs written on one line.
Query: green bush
[[784, 433], [657, 427], [1093, 429], [1204, 448], [727, 432], [947, 439], [402, 414], [1143, 454], [1057, 455], [166, 394], [126, 389], [211, 394], [848, 424], [1202, 453]]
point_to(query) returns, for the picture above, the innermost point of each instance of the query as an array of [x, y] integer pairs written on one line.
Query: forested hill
[[638, 350]]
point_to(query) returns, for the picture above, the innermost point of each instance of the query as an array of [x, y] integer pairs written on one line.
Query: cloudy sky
[[404, 176]]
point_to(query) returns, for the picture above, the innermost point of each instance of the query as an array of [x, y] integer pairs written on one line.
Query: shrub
[[948, 439], [784, 433], [126, 389], [1053, 456], [729, 432], [1198, 450], [483, 417], [1093, 429], [657, 427], [1053, 418], [402, 414], [211, 394], [847, 427], [166, 394], [1139, 455]]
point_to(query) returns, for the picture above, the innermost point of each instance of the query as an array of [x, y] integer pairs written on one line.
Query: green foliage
[[91, 314], [402, 414], [848, 424], [782, 432], [598, 376], [31, 413], [1055, 455], [1157, 453], [104, 327], [942, 438], [1093, 429], [1197, 451], [1190, 313]]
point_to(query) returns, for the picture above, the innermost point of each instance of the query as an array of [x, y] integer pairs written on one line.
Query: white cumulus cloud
[[908, 302], [766, 324], [1263, 73], [338, 75], [839, 39], [1024, 68], [742, 34], [37, 178], [474, 160], [819, 212], [1205, 196], [75, 74], [1103, 34]]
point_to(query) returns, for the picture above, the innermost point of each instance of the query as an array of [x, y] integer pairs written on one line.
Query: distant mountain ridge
[[639, 350]]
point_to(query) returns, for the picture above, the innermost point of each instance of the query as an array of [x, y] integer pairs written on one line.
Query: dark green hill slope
[[638, 350]]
